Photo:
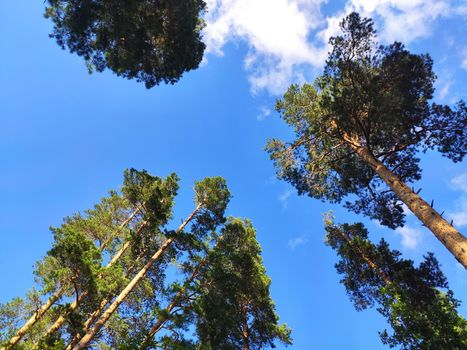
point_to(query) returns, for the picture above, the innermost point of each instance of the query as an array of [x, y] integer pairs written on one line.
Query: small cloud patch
[[264, 112], [297, 242], [411, 237], [284, 197]]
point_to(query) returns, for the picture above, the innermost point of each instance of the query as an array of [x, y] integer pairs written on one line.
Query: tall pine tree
[[416, 301], [359, 128]]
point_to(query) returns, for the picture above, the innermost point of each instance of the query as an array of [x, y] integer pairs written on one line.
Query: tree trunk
[[83, 343], [365, 257], [34, 318], [452, 239], [163, 319], [245, 335], [95, 314], [48, 304], [73, 306]]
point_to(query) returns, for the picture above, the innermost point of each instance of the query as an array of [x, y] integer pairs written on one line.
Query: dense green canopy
[[117, 277], [378, 97], [416, 301], [152, 41], [235, 310], [360, 126]]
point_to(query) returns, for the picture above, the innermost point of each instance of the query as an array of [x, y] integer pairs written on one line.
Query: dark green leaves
[[150, 41], [369, 97], [415, 301], [235, 307]]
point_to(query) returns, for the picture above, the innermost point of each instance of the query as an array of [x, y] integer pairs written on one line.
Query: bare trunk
[[83, 343], [34, 318], [452, 239], [365, 257], [76, 338], [245, 333], [163, 319], [48, 304], [74, 305]]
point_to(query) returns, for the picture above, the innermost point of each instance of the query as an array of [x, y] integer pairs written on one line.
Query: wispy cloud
[[459, 214], [459, 182], [284, 197], [297, 241], [264, 112], [444, 87], [411, 236]]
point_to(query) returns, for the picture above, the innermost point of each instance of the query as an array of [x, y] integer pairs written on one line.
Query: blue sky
[[66, 137]]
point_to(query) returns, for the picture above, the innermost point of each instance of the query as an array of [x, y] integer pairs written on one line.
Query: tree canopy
[[235, 310], [360, 125], [150, 41], [416, 301], [118, 277]]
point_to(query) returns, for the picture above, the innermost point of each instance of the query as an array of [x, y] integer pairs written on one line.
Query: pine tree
[[235, 310], [416, 301], [72, 268], [149, 41], [359, 128], [211, 197]]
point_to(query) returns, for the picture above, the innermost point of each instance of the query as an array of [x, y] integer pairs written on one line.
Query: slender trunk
[[87, 324], [175, 301], [124, 293], [34, 318], [245, 333], [74, 305], [95, 314], [452, 239], [365, 257], [48, 304]]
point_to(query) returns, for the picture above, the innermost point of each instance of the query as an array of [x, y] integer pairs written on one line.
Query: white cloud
[[287, 39], [444, 88], [410, 236], [264, 112], [459, 217], [464, 59], [403, 20], [277, 33], [459, 182], [284, 197], [297, 241], [459, 214]]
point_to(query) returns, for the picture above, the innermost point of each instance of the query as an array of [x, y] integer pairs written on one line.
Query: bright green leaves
[[416, 301], [79, 259], [213, 196], [153, 195], [121, 256], [149, 41]]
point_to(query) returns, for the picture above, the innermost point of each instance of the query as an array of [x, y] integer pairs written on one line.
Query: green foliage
[[236, 293], [14, 313], [416, 301], [369, 96], [151, 193], [213, 196], [203, 273], [150, 41]]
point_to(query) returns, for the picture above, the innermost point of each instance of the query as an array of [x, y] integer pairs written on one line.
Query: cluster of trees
[[117, 277]]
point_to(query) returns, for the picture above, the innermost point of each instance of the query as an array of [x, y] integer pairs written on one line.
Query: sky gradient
[[66, 137]]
